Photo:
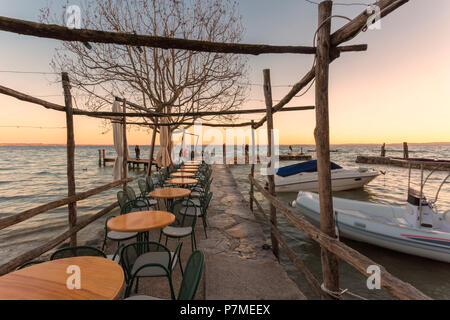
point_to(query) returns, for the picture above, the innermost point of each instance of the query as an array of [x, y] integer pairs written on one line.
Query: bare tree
[[160, 80]]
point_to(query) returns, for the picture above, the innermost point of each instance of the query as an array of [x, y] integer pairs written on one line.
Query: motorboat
[[417, 229], [303, 177]]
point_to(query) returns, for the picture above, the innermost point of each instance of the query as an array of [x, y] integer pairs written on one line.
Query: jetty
[[406, 161]]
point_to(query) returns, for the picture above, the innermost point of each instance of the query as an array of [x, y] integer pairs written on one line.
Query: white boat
[[417, 229], [303, 177]]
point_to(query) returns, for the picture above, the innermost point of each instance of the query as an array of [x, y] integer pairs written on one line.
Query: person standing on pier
[[137, 150]]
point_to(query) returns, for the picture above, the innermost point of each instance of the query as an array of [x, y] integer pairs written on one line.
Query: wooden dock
[[428, 164], [132, 162]]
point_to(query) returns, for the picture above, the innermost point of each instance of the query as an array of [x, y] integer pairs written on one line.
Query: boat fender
[[293, 204], [336, 224]]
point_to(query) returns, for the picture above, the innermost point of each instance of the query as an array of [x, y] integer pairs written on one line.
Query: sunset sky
[[398, 90]]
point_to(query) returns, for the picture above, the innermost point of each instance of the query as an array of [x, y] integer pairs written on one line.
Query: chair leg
[[167, 238], [204, 225], [160, 236], [172, 293]]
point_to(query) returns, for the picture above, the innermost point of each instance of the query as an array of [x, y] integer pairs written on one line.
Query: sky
[[398, 90]]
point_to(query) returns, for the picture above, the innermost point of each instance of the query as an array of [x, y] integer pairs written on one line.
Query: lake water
[[432, 277], [35, 175]]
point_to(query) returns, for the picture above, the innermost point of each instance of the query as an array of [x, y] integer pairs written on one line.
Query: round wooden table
[[169, 194], [187, 170], [141, 221], [100, 279], [182, 181], [182, 174]]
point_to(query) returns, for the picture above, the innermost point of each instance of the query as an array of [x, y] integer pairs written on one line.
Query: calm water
[[31, 176], [432, 277]]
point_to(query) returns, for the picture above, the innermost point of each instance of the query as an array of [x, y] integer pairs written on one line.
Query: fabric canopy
[[118, 145], [163, 156], [308, 166]]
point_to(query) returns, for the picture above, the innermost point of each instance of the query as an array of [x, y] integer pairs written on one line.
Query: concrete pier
[[237, 266]]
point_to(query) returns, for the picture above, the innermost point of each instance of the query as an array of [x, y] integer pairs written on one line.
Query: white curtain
[[118, 144], [163, 156]]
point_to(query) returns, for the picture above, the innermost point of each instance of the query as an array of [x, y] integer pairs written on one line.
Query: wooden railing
[[73, 229], [394, 286]]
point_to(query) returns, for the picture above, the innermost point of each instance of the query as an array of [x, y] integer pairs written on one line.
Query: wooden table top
[[141, 221], [187, 170], [100, 279], [182, 181], [170, 193], [183, 174]]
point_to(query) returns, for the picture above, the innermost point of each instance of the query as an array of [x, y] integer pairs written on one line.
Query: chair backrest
[[29, 263], [78, 251], [150, 185], [206, 203], [192, 275], [134, 205], [131, 252], [143, 187], [122, 198], [179, 209], [130, 193]]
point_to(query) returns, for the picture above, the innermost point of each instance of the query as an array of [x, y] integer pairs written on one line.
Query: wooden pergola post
[[70, 156], [125, 144], [152, 148], [330, 267], [270, 177], [252, 171]]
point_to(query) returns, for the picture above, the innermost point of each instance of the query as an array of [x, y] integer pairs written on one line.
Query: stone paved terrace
[[237, 266]]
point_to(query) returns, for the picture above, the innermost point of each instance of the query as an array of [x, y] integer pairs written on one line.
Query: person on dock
[[137, 150]]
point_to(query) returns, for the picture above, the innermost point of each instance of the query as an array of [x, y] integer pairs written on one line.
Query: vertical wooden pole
[[252, 170], [383, 150], [70, 155], [99, 157], [152, 149], [224, 153], [125, 143], [330, 267], [270, 177], [104, 156], [405, 150]]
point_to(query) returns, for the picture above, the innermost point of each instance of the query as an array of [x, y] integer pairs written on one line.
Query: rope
[[338, 295]]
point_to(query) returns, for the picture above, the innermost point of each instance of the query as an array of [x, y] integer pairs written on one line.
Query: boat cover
[[308, 166]]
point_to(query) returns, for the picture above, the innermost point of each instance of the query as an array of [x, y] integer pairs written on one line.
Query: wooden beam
[[270, 178], [27, 214], [125, 145], [330, 266], [390, 283], [152, 148], [70, 156], [36, 252], [53, 31]]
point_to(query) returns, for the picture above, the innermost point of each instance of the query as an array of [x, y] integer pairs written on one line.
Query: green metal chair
[[122, 198], [200, 209], [29, 263], [184, 225], [77, 251], [145, 190], [191, 279], [149, 259]]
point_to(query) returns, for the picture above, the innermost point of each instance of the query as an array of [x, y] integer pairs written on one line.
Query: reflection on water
[[432, 277]]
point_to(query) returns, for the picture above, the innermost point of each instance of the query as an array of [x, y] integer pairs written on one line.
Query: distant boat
[[418, 229], [303, 177]]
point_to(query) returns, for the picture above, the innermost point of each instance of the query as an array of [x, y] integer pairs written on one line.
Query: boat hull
[[338, 183], [424, 243]]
